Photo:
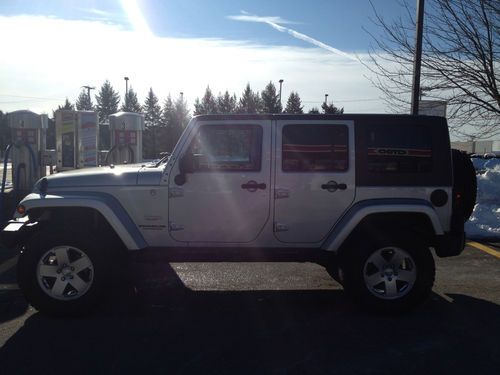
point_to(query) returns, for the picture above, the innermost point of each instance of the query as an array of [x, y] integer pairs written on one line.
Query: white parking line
[[8, 264]]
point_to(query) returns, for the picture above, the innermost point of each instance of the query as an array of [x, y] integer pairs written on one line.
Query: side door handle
[[332, 186], [253, 186]]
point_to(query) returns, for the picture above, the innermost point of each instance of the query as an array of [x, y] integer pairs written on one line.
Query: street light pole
[[126, 85], [326, 97], [281, 83]]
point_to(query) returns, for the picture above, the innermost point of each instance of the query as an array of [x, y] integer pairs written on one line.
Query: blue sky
[[55, 47]]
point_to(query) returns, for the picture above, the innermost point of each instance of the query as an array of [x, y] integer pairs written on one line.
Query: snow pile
[[485, 220]]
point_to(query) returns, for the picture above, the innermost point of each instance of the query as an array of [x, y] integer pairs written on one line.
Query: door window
[[314, 148], [227, 148]]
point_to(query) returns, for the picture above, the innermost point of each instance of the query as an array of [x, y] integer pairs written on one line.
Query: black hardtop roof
[[362, 117]]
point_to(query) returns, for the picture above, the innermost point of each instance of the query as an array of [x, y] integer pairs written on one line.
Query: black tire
[[464, 184], [39, 290], [356, 263]]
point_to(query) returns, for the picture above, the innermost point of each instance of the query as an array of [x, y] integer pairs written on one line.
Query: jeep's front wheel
[[62, 274], [390, 276]]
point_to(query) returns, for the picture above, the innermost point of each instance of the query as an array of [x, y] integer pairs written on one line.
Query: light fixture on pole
[[126, 85], [326, 97]]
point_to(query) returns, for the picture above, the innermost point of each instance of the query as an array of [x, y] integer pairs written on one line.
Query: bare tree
[[460, 61]]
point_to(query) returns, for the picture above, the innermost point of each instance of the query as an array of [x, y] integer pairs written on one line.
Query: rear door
[[315, 180]]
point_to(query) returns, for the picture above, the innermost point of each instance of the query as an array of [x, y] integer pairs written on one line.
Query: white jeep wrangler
[[368, 196]]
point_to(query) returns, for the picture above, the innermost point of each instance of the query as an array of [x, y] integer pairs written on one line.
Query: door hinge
[[280, 227], [175, 192], [281, 193], [175, 227]]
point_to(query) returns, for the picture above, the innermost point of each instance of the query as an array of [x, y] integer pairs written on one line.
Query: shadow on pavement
[[167, 328]]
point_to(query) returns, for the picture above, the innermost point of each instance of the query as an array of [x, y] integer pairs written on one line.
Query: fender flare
[[349, 221], [107, 205]]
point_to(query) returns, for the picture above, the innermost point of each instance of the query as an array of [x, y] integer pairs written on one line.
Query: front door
[[314, 178], [226, 195]]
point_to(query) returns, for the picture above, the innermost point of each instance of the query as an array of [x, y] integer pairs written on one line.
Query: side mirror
[[185, 167]]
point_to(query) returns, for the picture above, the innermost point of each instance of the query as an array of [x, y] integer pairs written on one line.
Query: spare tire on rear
[[464, 184]]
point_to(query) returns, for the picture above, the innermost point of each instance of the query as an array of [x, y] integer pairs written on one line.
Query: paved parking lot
[[280, 318]]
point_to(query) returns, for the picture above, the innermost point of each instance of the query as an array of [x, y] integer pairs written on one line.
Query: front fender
[[361, 210], [107, 205]]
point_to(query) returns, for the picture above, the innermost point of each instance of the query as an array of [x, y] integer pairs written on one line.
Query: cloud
[[49, 59], [275, 22]]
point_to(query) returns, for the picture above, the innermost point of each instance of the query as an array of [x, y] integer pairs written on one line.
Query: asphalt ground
[[248, 318]]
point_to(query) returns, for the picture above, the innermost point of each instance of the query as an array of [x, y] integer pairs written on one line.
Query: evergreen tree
[[107, 101], [131, 103], [84, 101], [331, 109], [294, 104], [314, 111], [271, 100], [208, 104], [175, 118], [226, 103], [181, 112], [152, 111], [250, 102], [67, 105]]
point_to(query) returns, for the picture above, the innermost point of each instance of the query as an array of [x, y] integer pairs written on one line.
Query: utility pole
[[417, 62], [88, 89]]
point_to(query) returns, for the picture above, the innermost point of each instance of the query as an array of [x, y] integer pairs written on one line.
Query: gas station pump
[[126, 138], [76, 139], [28, 132]]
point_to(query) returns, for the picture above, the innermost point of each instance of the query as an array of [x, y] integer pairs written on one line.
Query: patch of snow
[[485, 220]]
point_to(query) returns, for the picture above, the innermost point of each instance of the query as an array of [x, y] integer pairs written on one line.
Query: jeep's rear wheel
[[62, 273], [389, 276]]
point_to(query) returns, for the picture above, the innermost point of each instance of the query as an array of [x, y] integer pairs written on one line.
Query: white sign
[[432, 108]]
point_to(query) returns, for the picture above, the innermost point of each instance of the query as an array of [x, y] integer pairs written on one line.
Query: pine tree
[[152, 111], [131, 103], [271, 100], [181, 112], [67, 105], [294, 104], [331, 109], [250, 102], [226, 103], [84, 101], [107, 101], [208, 104], [314, 111], [168, 133]]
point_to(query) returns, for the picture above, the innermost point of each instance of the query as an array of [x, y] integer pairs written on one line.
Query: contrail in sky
[[274, 22]]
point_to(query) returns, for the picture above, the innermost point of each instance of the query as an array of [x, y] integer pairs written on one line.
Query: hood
[[117, 175]]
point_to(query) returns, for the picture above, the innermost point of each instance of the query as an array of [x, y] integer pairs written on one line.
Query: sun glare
[[137, 20]]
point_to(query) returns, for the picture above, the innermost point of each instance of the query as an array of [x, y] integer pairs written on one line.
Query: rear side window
[[315, 148], [227, 148], [398, 149]]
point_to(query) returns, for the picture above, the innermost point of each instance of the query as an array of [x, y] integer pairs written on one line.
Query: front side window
[[227, 148], [315, 148]]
